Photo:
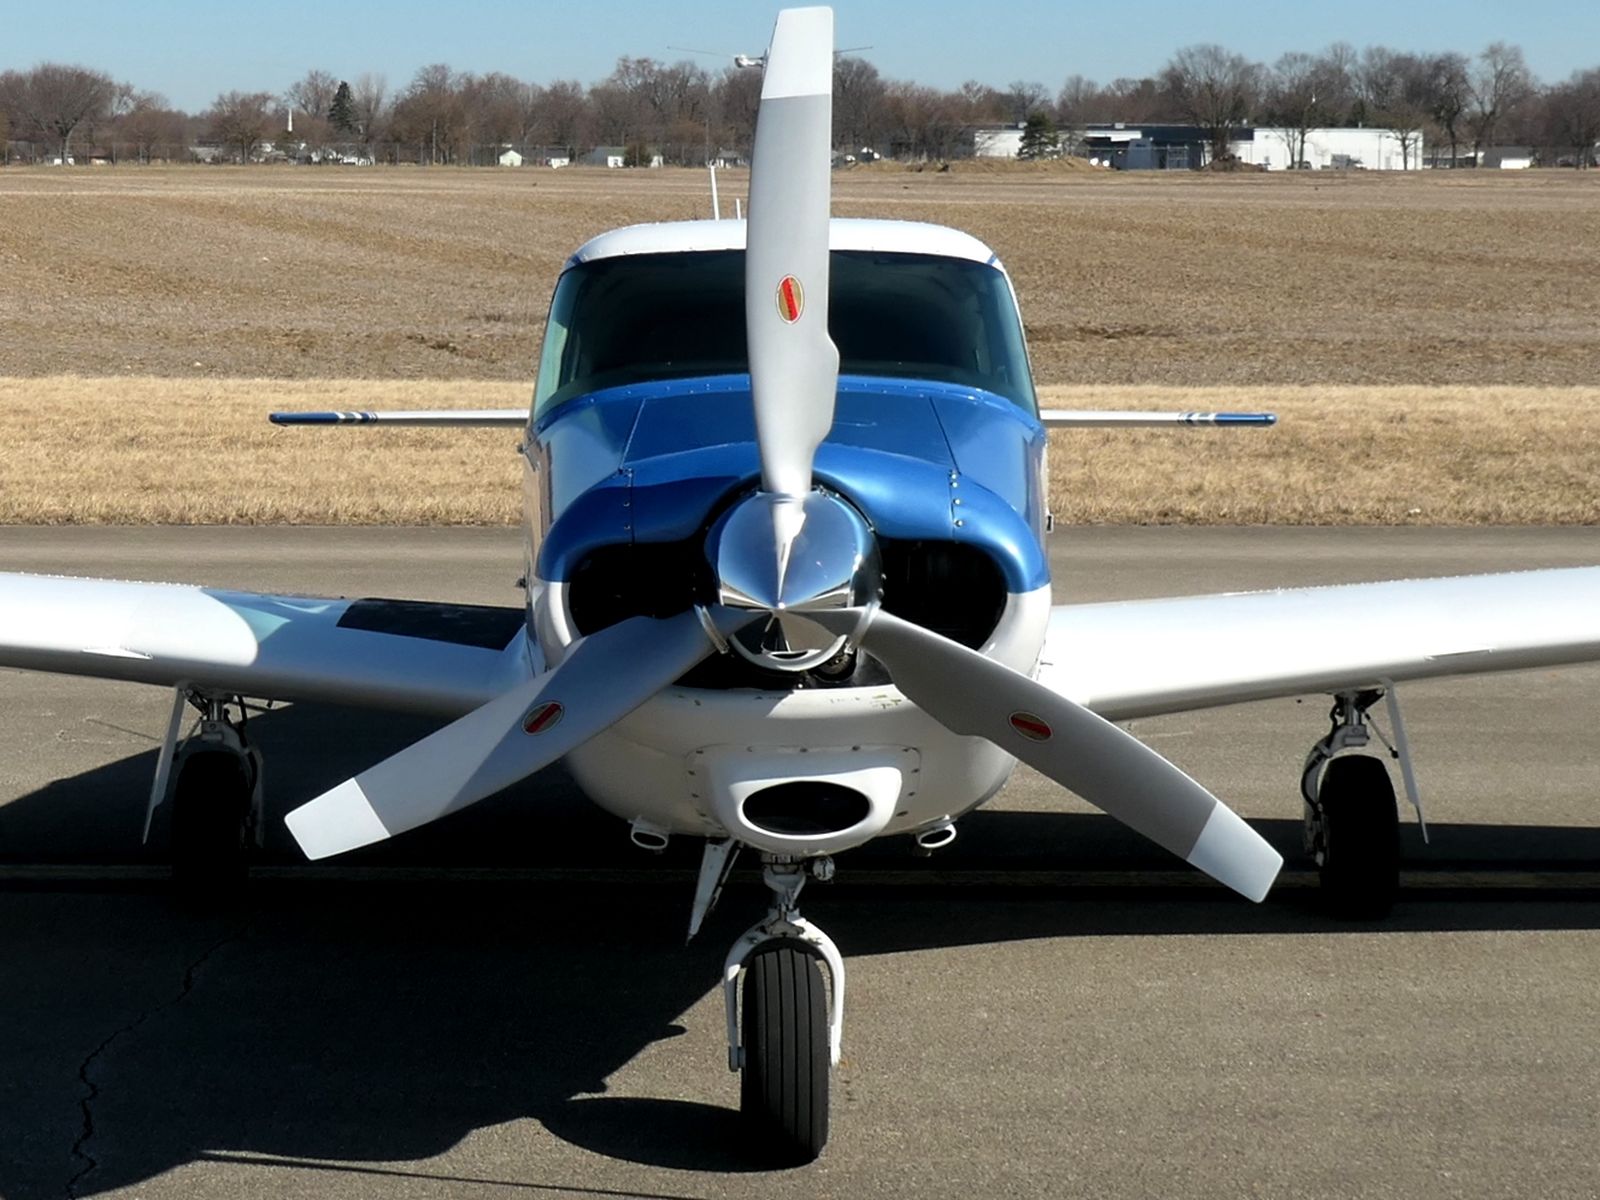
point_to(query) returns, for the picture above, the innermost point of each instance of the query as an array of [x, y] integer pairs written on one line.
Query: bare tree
[[1292, 101], [980, 103], [1395, 90], [859, 120], [680, 104], [923, 123], [1076, 103], [242, 121], [53, 100], [657, 107], [566, 116], [494, 105], [1025, 97], [1572, 114], [1214, 88], [150, 125], [735, 96], [430, 117], [1337, 70], [1451, 89], [1134, 101], [312, 95], [618, 104], [368, 102], [1500, 83]]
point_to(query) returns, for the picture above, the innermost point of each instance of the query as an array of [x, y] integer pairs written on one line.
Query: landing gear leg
[[216, 804], [785, 1042], [1352, 822]]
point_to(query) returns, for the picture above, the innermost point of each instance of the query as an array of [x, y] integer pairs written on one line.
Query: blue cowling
[[922, 461]]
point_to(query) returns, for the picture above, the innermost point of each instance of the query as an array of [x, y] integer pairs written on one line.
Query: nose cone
[[792, 556]]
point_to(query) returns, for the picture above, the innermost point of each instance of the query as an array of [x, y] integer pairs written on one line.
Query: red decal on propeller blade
[[543, 716], [1031, 727], [791, 299]]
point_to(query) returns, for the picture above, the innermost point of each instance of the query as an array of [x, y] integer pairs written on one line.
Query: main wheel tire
[[210, 824], [1359, 858], [784, 1086]]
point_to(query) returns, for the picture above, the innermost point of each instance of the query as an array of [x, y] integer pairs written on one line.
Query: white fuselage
[[684, 761]]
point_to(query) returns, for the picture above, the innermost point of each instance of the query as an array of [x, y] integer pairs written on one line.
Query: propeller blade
[[603, 678], [794, 365], [970, 694]]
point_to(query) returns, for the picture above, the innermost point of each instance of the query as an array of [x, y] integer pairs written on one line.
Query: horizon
[[191, 53]]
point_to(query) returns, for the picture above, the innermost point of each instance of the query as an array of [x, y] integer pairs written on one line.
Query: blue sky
[[193, 49]]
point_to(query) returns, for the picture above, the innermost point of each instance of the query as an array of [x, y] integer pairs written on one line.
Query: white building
[[997, 141], [1371, 149], [510, 158]]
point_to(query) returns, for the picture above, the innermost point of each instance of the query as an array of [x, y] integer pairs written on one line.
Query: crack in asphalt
[[91, 1092]]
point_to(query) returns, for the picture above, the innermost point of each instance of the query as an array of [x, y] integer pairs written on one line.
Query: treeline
[[684, 114]]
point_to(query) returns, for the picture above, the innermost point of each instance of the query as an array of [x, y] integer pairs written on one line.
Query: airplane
[[786, 593]]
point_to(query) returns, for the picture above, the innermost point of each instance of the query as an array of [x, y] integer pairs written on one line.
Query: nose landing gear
[[784, 1042]]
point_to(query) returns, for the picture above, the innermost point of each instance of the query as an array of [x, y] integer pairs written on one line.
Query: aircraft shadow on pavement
[[383, 1022]]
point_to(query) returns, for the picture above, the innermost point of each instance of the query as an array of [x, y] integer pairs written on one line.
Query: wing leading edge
[[440, 659], [1140, 658]]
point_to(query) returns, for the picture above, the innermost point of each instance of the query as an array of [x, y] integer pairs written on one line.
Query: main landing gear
[[1352, 821], [783, 1040], [215, 784]]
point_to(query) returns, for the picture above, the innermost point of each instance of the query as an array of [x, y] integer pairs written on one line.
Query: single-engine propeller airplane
[[787, 592]]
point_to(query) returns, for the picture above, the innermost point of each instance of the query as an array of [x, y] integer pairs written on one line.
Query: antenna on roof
[[716, 208]]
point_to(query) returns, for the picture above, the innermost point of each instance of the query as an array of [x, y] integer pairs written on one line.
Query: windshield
[[644, 317]]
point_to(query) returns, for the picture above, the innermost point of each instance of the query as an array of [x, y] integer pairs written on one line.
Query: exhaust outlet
[[937, 838], [647, 835]]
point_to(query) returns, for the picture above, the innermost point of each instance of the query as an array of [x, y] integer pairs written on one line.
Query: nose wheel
[[783, 1085], [783, 1040]]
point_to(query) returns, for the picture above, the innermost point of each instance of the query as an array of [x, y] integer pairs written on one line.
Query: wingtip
[[313, 418]]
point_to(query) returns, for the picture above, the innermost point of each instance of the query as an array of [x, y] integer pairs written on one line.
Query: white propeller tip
[[1231, 852], [800, 62], [340, 819]]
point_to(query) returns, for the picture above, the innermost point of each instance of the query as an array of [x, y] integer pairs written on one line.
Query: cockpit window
[[645, 317]]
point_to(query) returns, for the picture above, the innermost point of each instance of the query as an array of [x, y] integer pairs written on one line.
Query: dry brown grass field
[[1431, 340]]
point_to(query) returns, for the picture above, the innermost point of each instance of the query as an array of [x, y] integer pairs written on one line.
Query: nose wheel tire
[[783, 1091], [211, 803], [1357, 842]]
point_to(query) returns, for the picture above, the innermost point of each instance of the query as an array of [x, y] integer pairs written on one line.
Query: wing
[[444, 659], [1140, 658]]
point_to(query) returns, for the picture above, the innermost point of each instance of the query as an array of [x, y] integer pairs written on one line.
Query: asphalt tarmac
[[503, 1004]]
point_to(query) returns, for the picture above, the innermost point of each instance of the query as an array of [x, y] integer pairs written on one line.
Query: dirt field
[[1131, 278], [1430, 339]]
